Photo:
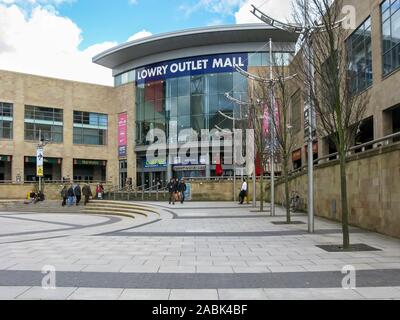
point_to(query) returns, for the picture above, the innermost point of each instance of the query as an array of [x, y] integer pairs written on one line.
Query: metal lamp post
[[306, 31]]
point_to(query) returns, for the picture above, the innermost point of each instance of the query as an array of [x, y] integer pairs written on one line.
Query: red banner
[[122, 134]]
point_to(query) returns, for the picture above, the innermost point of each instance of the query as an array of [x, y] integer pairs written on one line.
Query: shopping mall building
[[173, 82]]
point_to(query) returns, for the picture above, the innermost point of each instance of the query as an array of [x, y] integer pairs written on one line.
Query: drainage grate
[[360, 247]]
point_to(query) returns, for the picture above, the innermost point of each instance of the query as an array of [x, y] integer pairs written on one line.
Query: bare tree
[[259, 99], [339, 110], [280, 112]]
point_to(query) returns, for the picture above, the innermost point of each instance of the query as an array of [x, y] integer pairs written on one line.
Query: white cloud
[[140, 35], [280, 10], [47, 44], [224, 7]]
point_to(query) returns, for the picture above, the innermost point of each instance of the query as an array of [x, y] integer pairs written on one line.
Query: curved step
[[114, 213], [111, 210], [121, 206]]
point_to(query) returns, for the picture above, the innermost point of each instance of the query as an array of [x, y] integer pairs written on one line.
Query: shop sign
[[5, 158], [99, 163], [189, 168], [191, 66], [155, 163]]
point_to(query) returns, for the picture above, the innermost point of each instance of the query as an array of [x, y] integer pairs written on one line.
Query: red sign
[[122, 134]]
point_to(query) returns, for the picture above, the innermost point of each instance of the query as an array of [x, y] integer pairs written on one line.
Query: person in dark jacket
[[172, 189], [78, 194], [64, 195], [182, 189], [87, 193], [70, 195]]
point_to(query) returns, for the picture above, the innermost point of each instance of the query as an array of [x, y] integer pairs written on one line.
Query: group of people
[[35, 197], [176, 190], [73, 194]]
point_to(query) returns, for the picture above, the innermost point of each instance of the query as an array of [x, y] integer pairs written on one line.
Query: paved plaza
[[199, 251]]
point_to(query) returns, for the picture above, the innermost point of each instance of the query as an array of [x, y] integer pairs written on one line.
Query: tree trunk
[[345, 207], [262, 188], [287, 200]]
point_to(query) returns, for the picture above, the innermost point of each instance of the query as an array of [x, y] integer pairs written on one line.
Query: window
[[390, 11], [262, 59], [6, 120], [295, 112], [186, 102], [46, 121], [90, 128], [360, 58], [124, 78]]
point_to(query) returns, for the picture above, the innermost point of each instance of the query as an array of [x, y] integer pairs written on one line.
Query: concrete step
[[112, 210], [107, 203], [107, 212], [122, 207]]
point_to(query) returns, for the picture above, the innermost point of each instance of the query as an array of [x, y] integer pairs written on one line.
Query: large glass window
[[390, 10], [186, 102], [45, 121], [360, 57], [90, 128], [6, 120]]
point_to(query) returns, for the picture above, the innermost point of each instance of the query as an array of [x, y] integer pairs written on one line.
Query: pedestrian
[[87, 193], [64, 195], [182, 189], [99, 191], [243, 192], [70, 196], [78, 193], [172, 188]]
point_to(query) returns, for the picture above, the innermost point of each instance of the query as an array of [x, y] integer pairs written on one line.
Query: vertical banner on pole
[[39, 162], [122, 134]]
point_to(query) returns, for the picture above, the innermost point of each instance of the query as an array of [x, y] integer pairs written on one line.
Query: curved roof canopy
[[198, 37]]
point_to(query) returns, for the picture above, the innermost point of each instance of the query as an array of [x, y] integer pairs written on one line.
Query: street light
[[306, 31]]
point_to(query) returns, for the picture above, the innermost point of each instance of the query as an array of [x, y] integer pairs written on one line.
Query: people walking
[[243, 192], [87, 193], [78, 194], [182, 189], [172, 189], [70, 196], [64, 195]]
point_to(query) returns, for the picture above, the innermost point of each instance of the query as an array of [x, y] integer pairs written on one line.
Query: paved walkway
[[195, 251]]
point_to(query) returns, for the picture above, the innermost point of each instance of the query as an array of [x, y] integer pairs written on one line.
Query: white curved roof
[[189, 38]]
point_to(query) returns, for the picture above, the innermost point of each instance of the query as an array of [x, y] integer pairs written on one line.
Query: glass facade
[[177, 104], [360, 57], [90, 128], [390, 10], [48, 121], [6, 120]]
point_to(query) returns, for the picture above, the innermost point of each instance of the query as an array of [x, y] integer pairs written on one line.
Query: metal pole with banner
[[39, 165]]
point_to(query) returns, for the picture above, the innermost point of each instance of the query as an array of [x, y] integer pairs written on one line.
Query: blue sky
[[117, 20], [59, 38]]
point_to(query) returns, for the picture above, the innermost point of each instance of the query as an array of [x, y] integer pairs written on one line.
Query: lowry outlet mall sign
[[191, 66]]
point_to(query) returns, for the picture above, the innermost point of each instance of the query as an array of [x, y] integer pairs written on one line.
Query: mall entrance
[[152, 179], [5, 168], [90, 170], [51, 170]]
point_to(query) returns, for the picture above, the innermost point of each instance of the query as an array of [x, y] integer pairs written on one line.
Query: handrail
[[350, 152]]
